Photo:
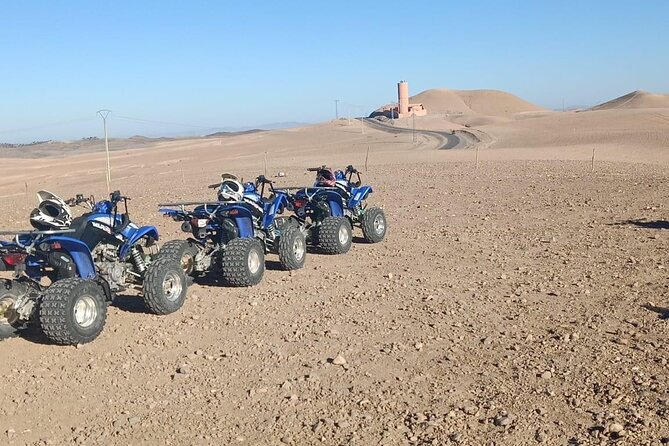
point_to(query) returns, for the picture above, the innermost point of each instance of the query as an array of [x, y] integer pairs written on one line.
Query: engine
[[114, 273], [109, 266]]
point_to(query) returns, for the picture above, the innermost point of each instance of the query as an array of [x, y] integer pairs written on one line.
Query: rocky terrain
[[520, 303]]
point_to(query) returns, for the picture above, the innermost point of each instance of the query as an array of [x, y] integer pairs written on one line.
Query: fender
[[144, 231], [273, 209], [80, 254], [358, 194], [245, 226]]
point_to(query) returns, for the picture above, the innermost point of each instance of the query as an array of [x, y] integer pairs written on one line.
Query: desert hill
[[636, 99], [484, 102]]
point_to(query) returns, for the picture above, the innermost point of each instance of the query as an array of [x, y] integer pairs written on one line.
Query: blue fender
[[273, 209], [243, 219], [80, 254], [358, 194], [144, 231]]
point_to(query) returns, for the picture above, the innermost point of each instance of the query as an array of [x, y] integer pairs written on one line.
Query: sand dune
[[483, 102], [636, 99]]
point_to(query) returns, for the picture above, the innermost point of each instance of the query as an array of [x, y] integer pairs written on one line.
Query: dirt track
[[505, 307]]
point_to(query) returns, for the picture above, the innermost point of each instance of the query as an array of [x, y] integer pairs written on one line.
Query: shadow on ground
[[648, 224], [661, 311]]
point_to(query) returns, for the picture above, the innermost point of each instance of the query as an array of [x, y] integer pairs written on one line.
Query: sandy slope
[[483, 102], [506, 306], [636, 99]]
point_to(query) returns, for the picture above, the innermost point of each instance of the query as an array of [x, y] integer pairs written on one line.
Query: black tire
[[165, 286], [335, 235], [73, 311], [10, 291], [243, 262], [181, 251], [374, 225], [292, 248]]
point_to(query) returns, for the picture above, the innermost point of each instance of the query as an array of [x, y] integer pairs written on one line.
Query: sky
[[193, 67]]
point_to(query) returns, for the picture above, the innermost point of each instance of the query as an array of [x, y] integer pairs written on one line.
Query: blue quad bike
[[328, 211], [230, 238], [101, 254]]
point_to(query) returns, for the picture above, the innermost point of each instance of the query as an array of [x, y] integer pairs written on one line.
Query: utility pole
[[104, 114], [336, 101]]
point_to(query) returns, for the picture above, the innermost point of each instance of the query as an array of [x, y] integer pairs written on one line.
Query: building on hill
[[403, 108]]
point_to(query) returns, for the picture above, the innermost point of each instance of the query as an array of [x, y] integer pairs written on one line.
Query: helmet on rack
[[51, 213], [325, 178], [230, 190]]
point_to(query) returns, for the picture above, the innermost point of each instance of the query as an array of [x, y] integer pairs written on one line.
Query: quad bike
[[101, 254], [232, 237], [328, 211]]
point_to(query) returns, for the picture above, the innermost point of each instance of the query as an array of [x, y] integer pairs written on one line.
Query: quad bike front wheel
[[165, 286], [73, 311], [335, 235], [10, 292], [374, 225], [243, 262], [180, 251], [292, 248]]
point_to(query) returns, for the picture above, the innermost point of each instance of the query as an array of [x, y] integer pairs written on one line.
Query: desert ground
[[519, 301]]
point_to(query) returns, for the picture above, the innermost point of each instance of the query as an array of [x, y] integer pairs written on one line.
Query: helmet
[[51, 213], [230, 190], [325, 178]]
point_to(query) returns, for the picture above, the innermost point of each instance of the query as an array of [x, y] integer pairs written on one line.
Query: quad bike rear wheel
[[292, 248], [165, 286], [243, 262], [335, 235], [180, 251], [10, 292], [73, 311], [374, 225]]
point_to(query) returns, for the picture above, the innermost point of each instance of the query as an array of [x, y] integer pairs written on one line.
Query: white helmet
[[231, 190], [51, 213]]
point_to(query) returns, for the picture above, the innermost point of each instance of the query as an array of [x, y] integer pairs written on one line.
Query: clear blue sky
[[233, 64]]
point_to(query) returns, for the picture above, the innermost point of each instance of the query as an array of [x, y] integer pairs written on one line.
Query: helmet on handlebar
[[230, 190], [51, 213], [325, 178]]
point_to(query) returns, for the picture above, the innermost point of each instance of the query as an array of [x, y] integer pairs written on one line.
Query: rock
[[183, 370], [503, 420], [470, 409], [616, 428], [134, 421], [339, 360], [547, 374], [540, 436], [390, 276], [287, 439]]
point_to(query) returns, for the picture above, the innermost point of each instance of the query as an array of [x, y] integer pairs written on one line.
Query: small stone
[[616, 428], [470, 409], [503, 420], [287, 439], [418, 346], [183, 370], [540, 436], [134, 421], [547, 374], [339, 360], [390, 276]]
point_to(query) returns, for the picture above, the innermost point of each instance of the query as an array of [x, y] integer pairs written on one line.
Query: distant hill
[[636, 99], [243, 132], [484, 102]]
